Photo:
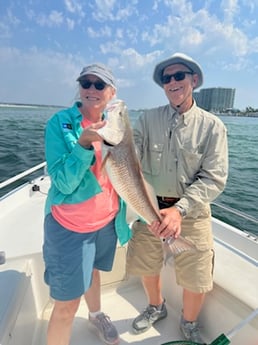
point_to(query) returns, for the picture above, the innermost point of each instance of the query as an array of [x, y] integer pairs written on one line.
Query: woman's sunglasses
[[86, 84], [166, 78]]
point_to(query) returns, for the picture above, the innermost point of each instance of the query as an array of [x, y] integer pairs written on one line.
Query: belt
[[166, 201]]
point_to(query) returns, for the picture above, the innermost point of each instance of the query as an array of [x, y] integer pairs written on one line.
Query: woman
[[84, 215]]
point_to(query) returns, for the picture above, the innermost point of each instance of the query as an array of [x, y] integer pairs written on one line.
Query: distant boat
[[25, 305]]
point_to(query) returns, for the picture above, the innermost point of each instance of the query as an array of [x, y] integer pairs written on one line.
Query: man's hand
[[170, 225]]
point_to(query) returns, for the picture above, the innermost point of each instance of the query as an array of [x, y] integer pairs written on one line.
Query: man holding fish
[[184, 156]]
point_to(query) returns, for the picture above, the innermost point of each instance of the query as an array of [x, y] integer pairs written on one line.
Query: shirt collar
[[76, 107], [186, 115]]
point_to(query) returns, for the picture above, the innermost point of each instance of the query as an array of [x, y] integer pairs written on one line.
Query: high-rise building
[[215, 98]]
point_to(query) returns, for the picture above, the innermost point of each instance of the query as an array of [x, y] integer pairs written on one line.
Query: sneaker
[[191, 331], [148, 317], [106, 329]]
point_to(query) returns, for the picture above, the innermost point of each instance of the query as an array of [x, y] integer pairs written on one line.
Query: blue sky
[[45, 44]]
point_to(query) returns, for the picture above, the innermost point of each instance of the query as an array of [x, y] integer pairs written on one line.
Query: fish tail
[[173, 247]]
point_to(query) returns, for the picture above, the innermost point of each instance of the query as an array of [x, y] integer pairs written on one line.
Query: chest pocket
[[152, 157]]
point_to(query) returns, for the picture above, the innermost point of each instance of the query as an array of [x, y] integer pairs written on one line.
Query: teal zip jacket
[[69, 164]]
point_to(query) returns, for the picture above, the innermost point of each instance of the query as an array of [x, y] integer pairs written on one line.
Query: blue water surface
[[22, 147]]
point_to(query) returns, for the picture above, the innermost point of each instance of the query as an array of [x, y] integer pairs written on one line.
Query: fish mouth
[[108, 144]]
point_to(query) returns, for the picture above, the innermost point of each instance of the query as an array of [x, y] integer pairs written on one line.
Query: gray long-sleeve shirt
[[184, 155]]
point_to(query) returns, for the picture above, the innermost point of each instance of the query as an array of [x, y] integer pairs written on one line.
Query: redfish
[[123, 168]]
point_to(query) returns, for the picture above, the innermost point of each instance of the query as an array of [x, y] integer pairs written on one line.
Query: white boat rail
[[21, 175], [220, 206], [236, 212]]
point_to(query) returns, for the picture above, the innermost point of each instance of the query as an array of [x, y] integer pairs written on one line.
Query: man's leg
[[156, 309], [192, 304], [152, 287]]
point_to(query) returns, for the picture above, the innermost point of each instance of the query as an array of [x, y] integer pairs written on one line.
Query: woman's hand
[[89, 134]]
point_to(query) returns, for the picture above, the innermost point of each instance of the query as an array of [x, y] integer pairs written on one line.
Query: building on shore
[[215, 99]]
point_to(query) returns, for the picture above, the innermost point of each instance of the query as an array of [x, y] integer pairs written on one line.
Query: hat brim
[[100, 71], [192, 65], [107, 81]]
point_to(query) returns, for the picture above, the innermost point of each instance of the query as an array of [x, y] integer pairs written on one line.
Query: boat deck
[[122, 305], [24, 297]]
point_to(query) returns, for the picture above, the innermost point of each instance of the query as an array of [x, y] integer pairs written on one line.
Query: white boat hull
[[25, 306]]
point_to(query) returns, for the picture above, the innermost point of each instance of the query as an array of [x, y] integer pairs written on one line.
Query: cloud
[[5, 32], [70, 24], [74, 7], [103, 10], [131, 37], [51, 71], [230, 9], [193, 32], [54, 18], [104, 31]]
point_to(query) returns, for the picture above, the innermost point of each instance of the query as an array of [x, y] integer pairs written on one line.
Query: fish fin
[[175, 246], [131, 215], [150, 192], [103, 164]]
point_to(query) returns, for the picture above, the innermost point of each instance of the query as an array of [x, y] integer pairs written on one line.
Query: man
[[184, 156]]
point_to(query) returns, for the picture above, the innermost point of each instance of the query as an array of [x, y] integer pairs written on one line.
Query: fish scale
[[123, 168]]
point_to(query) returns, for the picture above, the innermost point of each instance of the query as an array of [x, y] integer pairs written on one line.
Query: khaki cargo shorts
[[193, 269]]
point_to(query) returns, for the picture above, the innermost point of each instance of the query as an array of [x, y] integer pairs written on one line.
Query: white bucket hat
[[178, 58]]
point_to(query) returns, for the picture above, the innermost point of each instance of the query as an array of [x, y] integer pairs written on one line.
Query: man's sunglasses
[[166, 78], [86, 84]]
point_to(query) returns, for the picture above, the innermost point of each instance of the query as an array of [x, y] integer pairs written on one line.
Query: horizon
[[10, 104]]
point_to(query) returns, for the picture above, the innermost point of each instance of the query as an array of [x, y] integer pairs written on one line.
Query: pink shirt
[[98, 211]]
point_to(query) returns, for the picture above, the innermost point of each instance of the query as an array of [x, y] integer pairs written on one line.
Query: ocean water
[[22, 147]]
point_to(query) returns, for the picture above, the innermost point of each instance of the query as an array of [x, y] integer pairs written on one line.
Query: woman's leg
[[60, 324], [92, 295]]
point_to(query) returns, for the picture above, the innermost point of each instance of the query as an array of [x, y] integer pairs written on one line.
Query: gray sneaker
[[148, 317], [106, 329], [191, 331]]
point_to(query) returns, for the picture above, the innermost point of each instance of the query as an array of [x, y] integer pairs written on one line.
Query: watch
[[181, 210]]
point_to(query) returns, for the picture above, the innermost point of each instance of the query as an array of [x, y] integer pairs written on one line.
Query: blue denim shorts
[[70, 257]]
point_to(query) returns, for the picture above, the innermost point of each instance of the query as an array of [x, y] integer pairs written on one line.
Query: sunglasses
[[86, 84], [166, 78]]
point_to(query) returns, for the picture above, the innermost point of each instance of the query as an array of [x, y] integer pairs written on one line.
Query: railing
[[43, 165], [236, 212], [21, 175]]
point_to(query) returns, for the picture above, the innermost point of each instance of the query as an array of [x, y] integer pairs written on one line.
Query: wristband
[[181, 210]]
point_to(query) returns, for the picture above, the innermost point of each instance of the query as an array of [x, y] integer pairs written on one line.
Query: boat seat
[[13, 286]]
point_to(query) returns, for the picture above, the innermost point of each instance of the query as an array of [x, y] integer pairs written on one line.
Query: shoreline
[[24, 105], [33, 106]]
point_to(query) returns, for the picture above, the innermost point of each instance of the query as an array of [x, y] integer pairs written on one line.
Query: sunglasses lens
[[99, 85], [179, 76], [166, 78], [86, 84]]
